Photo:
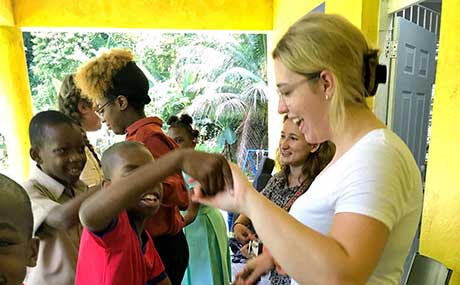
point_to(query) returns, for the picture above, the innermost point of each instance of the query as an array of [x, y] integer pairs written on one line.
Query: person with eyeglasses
[[83, 111], [356, 223], [120, 89]]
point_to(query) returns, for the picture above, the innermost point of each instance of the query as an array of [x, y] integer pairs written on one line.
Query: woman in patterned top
[[301, 162]]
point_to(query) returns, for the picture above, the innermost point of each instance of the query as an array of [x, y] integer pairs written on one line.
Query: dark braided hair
[[185, 122], [68, 99]]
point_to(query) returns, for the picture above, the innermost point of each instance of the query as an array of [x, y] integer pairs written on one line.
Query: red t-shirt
[[168, 220], [114, 256]]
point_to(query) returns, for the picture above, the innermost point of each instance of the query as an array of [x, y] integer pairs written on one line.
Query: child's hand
[[211, 170], [233, 200]]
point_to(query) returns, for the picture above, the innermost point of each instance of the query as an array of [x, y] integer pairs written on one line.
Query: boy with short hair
[[56, 193], [120, 89], [18, 249], [115, 248]]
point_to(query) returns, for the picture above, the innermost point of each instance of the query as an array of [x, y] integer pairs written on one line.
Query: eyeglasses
[[100, 110], [292, 87]]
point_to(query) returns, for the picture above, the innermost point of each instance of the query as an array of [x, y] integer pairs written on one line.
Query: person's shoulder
[[277, 179], [34, 189], [381, 154], [382, 145], [113, 235]]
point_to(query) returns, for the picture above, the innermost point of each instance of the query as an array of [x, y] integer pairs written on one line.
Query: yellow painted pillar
[[440, 235], [364, 14], [6, 13], [15, 100]]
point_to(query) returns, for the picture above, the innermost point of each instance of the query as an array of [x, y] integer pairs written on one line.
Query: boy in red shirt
[[115, 248]]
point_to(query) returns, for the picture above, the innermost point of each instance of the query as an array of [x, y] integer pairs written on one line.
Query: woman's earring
[[327, 97]]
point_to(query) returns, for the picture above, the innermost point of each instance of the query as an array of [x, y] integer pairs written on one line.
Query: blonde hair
[[94, 77], [319, 42]]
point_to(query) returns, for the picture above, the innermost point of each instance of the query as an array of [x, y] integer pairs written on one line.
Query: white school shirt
[[379, 178]]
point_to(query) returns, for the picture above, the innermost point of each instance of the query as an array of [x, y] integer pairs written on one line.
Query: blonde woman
[[356, 222]]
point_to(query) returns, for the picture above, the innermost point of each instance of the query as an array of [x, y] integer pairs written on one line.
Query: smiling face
[[18, 249], [62, 153], [304, 100], [293, 148], [125, 161]]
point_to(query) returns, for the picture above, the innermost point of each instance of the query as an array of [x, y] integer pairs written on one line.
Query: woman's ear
[[83, 108], [314, 147], [328, 83], [122, 102]]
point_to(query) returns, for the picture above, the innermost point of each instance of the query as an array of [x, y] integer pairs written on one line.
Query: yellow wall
[[15, 100], [173, 14], [6, 13], [440, 236], [364, 14]]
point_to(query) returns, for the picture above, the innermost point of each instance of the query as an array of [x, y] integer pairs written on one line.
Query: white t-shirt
[[377, 177]]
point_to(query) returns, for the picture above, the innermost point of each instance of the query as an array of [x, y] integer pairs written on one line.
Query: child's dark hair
[[69, 98], [111, 74], [14, 193], [38, 123], [185, 122], [106, 159]]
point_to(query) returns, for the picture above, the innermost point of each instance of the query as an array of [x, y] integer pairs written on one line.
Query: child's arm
[[191, 214], [65, 216], [98, 211]]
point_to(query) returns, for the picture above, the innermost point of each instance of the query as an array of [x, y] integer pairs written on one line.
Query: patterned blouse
[[278, 191]]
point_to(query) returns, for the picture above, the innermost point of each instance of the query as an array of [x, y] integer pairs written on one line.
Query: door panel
[[413, 80]]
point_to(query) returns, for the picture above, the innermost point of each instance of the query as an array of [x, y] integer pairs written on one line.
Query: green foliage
[[219, 79]]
